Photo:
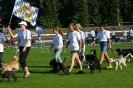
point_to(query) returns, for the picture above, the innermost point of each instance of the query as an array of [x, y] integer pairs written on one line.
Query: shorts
[[75, 51], [103, 46]]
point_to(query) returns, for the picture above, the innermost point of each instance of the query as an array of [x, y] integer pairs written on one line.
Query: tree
[[79, 12]]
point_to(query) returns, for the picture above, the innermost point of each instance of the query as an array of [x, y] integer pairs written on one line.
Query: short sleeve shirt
[[57, 39], [23, 36], [73, 37], [103, 35]]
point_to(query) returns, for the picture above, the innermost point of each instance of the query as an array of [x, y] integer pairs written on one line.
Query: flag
[[25, 11]]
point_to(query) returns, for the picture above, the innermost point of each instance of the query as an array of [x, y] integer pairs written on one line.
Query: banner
[[39, 29], [25, 11]]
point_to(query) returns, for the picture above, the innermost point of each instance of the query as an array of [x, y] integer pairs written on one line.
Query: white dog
[[120, 61]]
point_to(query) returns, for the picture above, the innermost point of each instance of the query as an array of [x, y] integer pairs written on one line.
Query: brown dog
[[12, 65]]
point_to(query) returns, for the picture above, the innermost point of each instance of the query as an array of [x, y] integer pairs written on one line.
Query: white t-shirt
[[124, 33], [2, 38], [92, 33], [103, 35], [82, 37], [86, 34], [73, 37], [23, 36], [57, 39]]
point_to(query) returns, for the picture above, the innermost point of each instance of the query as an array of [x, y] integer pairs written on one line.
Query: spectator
[[39, 36], [2, 40], [97, 30], [131, 33], [86, 35], [124, 34], [24, 37], [75, 44], [92, 34], [57, 43], [113, 35], [8, 40], [103, 38]]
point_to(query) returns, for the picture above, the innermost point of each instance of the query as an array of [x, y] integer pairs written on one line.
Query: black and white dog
[[124, 52], [7, 74], [92, 61], [57, 66], [120, 61]]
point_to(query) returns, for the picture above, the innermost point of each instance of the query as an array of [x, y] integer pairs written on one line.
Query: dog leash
[[113, 52]]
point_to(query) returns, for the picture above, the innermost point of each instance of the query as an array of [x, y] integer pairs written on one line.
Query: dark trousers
[[1, 55], [23, 56]]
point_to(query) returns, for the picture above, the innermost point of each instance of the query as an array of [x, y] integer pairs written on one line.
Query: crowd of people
[[76, 39]]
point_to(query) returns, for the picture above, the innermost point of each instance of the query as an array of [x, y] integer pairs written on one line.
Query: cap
[[23, 22]]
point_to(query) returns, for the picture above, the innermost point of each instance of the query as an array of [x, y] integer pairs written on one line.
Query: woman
[[24, 37], [57, 44], [2, 40], [105, 43], [75, 44], [82, 36]]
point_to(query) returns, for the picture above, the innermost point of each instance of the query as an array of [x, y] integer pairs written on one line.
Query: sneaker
[[26, 75], [109, 67], [80, 72]]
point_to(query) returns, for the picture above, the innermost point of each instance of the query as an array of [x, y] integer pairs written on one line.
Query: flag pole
[[11, 15], [10, 19]]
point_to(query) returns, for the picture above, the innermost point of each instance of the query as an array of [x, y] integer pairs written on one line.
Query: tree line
[[85, 12]]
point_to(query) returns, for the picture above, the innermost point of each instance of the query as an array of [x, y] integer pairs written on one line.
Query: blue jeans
[[103, 46], [57, 54], [1, 55]]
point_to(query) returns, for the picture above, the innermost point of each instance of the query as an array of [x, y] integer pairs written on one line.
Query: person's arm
[[109, 43], [10, 32], [68, 43]]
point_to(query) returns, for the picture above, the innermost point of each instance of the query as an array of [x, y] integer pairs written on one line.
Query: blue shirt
[[131, 32], [2, 37]]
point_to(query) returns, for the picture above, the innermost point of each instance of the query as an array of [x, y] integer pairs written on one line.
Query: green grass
[[38, 64]]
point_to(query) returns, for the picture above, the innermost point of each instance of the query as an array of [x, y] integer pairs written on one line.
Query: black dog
[[124, 52], [57, 66], [7, 74], [93, 61]]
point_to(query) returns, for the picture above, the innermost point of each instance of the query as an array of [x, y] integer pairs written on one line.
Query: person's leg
[[1, 55], [22, 60], [101, 57], [108, 59], [73, 57], [79, 62], [57, 55]]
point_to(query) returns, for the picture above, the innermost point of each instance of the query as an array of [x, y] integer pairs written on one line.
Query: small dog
[[124, 52], [7, 74], [57, 66], [120, 61], [92, 61], [12, 65]]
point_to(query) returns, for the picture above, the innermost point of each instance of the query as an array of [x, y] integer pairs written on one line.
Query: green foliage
[[85, 12]]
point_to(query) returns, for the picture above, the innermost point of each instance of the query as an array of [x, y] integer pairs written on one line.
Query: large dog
[[120, 61], [7, 74], [124, 52], [57, 66], [92, 61], [12, 65]]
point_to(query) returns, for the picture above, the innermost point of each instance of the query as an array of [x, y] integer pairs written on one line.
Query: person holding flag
[[24, 37]]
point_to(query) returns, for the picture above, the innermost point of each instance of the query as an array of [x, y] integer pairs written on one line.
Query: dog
[[57, 66], [124, 52], [12, 65], [7, 74], [92, 61], [120, 61]]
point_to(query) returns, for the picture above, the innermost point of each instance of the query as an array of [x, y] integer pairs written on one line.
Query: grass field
[[41, 77]]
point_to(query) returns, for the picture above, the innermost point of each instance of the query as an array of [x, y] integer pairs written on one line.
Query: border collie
[[92, 61]]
